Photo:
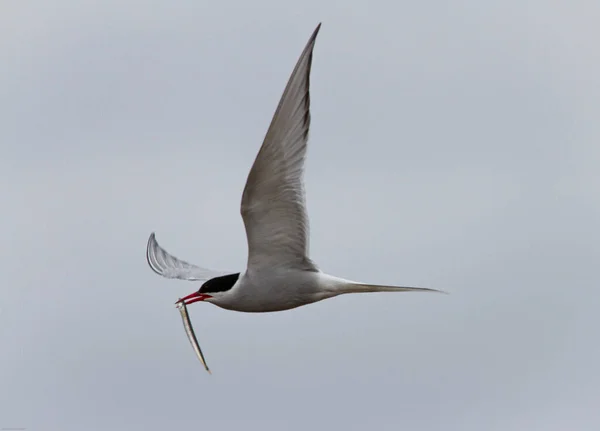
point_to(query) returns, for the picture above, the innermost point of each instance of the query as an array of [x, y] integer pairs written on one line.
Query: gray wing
[[169, 266], [273, 203]]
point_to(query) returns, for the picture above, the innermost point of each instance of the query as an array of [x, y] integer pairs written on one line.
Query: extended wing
[[169, 266], [273, 203]]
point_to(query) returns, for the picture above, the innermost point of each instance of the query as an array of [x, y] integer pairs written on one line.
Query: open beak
[[193, 297]]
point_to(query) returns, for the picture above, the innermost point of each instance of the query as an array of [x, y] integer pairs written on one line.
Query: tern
[[279, 275]]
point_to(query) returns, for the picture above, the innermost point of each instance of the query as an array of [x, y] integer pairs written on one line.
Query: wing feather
[[273, 204], [169, 266]]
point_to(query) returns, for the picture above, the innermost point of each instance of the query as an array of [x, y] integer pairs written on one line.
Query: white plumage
[[280, 274]]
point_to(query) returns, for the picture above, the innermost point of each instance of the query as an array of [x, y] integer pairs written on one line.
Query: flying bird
[[279, 275]]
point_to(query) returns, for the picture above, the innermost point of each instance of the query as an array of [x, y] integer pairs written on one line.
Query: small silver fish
[[189, 330]]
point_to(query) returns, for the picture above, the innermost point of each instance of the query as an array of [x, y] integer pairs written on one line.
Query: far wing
[[273, 203], [169, 266]]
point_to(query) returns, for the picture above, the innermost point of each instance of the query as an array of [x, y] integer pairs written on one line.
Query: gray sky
[[453, 146]]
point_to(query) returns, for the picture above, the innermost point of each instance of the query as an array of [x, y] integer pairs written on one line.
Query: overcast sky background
[[454, 145]]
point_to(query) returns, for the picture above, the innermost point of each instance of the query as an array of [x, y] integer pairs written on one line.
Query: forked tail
[[339, 286], [363, 288]]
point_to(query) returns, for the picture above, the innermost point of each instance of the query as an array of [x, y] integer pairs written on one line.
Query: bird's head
[[212, 289]]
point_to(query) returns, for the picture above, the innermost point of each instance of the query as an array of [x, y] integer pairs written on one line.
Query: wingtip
[[315, 33], [151, 252], [150, 244]]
